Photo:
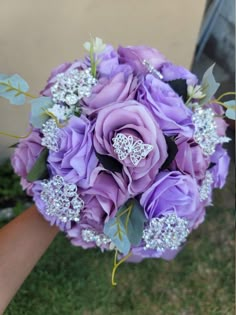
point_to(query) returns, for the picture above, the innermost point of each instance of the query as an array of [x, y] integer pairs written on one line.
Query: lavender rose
[[190, 158], [119, 88], [24, 157], [221, 167], [102, 200], [134, 56], [166, 106], [76, 158], [171, 72], [131, 119]]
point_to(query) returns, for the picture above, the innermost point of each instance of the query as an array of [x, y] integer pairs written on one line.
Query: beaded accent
[[61, 199], [152, 70], [89, 235], [72, 86], [126, 146], [167, 232], [205, 189], [51, 135], [205, 133]]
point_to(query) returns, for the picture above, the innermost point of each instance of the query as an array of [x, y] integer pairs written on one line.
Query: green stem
[[19, 91], [116, 265]]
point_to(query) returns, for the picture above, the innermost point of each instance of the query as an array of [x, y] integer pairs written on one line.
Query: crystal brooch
[[50, 135]]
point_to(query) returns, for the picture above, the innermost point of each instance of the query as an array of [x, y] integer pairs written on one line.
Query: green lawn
[[200, 281]]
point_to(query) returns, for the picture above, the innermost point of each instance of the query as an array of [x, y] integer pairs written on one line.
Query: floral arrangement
[[124, 150]]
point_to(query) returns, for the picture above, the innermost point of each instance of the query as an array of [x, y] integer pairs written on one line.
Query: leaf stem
[[116, 265], [14, 136], [19, 91], [225, 94]]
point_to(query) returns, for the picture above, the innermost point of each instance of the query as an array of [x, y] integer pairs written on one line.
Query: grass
[[200, 281]]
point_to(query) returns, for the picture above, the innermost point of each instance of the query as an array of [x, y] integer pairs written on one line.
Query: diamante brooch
[[152, 70], [61, 199], [72, 86], [50, 135], [89, 235], [205, 188], [205, 133], [167, 232], [126, 146]]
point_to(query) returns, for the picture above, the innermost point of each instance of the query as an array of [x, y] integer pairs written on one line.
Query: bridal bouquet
[[124, 150]]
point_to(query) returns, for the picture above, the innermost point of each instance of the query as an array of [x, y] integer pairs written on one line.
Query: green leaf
[[38, 111], [116, 231], [14, 145], [39, 170], [231, 112], [209, 85], [13, 88], [133, 222]]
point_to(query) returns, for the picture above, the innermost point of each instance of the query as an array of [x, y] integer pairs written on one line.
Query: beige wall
[[36, 36]]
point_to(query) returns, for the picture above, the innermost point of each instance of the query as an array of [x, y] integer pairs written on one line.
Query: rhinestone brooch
[[205, 133], [50, 135], [205, 188], [167, 232], [72, 86], [152, 70], [61, 199], [89, 235], [126, 146]]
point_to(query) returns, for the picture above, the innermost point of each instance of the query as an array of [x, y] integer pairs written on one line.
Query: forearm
[[22, 243]]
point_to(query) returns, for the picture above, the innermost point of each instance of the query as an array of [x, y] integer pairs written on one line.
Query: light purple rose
[[134, 56], [131, 118], [166, 106], [76, 157], [171, 72], [118, 88], [25, 156], [190, 158], [172, 192], [102, 200], [221, 169], [63, 68]]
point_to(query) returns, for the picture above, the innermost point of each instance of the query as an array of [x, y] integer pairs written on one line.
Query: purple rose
[[110, 90], [220, 170], [172, 192], [171, 72], [175, 193], [134, 56], [166, 106], [76, 157], [131, 119], [25, 156], [190, 158], [63, 68], [102, 200]]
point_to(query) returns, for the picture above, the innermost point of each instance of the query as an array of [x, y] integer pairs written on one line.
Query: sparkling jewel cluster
[[72, 86], [100, 239], [126, 146], [50, 135], [167, 232], [205, 188], [61, 199], [205, 133]]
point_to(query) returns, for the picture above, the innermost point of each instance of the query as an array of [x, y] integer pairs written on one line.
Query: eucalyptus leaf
[[134, 224], [39, 170], [116, 231], [38, 108], [13, 88], [231, 112], [209, 85]]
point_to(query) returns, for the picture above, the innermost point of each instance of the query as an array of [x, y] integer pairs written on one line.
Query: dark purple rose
[[24, 157], [173, 72], [76, 157], [116, 89], [63, 68], [172, 192], [220, 170], [190, 158], [131, 119], [166, 106], [134, 56], [102, 200]]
